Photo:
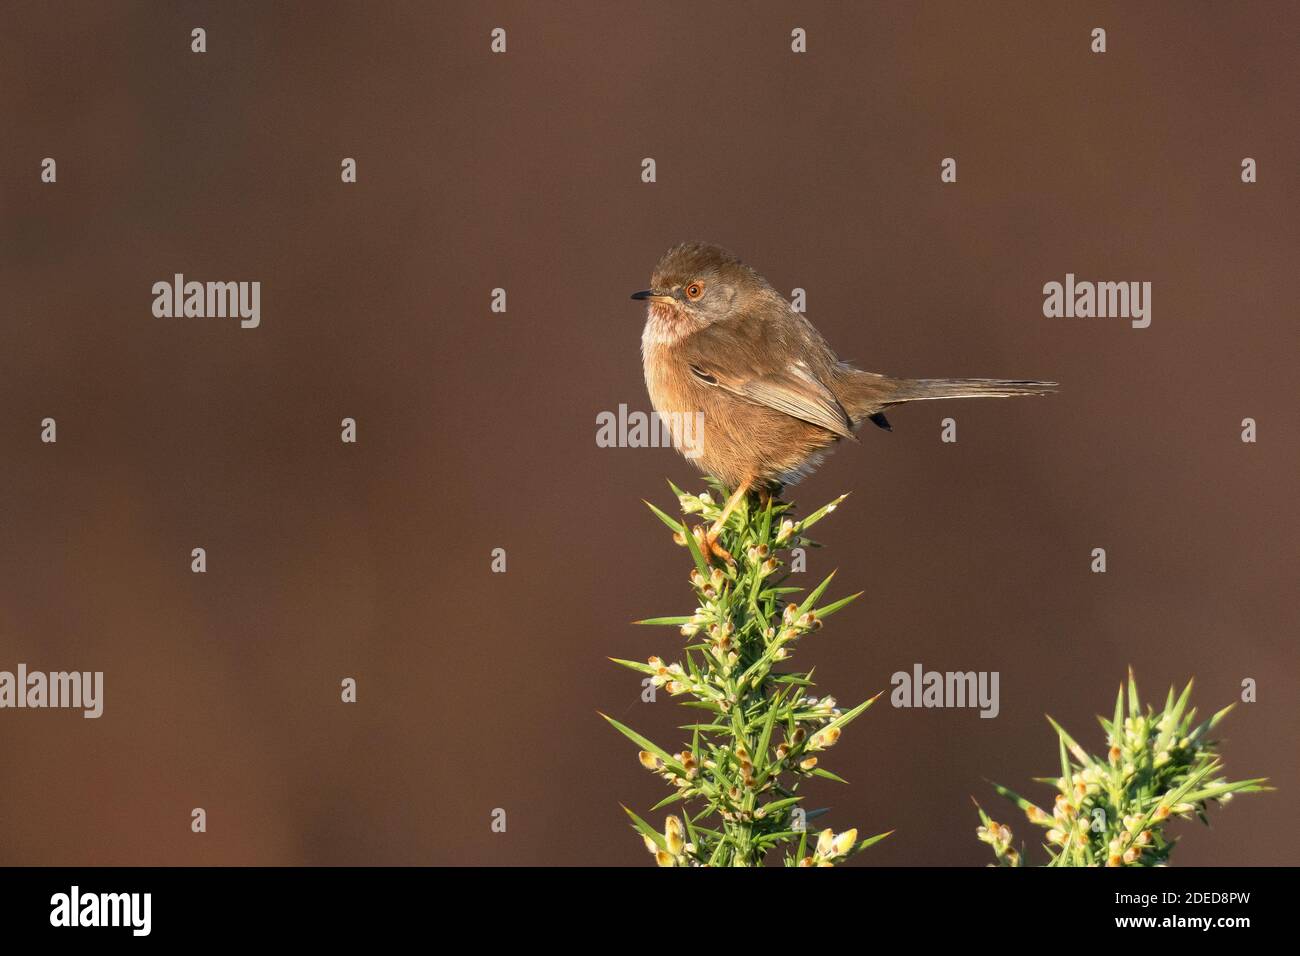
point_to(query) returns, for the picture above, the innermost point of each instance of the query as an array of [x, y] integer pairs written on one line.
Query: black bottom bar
[[331, 905]]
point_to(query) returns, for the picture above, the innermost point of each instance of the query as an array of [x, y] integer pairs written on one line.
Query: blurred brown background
[[477, 430]]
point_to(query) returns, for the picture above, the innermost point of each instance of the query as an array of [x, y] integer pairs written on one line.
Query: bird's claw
[[707, 539]]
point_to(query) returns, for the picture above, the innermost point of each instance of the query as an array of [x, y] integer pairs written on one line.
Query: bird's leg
[[710, 545]]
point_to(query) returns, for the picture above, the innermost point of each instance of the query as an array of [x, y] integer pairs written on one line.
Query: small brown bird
[[720, 340]]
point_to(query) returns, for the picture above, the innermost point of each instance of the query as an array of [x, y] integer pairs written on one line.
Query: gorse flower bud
[[844, 842], [996, 835], [673, 836], [824, 738], [825, 840], [830, 847]]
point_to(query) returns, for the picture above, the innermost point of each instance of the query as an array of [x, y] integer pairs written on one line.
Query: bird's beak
[[652, 295]]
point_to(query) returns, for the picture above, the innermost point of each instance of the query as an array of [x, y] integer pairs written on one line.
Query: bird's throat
[[665, 325]]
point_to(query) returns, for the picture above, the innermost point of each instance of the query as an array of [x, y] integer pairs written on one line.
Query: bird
[[721, 342]]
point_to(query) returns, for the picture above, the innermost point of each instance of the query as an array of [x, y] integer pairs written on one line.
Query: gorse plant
[[1113, 810], [761, 734]]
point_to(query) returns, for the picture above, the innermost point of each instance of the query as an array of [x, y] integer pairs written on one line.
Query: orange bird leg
[[710, 544]]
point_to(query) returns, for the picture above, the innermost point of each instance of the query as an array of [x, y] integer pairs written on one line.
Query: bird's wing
[[759, 369]]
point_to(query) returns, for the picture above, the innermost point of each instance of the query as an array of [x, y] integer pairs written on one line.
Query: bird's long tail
[[866, 395], [922, 389]]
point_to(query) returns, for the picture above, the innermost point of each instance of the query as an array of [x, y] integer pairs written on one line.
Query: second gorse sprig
[[1112, 810], [762, 732]]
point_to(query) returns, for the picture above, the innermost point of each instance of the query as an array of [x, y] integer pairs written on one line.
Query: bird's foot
[[707, 539]]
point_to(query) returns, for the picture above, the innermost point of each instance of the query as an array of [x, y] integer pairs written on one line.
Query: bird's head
[[699, 283]]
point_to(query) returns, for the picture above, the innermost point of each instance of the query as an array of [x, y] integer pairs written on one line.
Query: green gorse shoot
[[761, 733], [1113, 810]]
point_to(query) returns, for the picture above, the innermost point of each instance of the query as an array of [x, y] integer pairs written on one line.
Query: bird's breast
[[669, 382]]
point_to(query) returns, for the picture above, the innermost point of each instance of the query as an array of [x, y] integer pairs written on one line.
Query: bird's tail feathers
[[923, 389]]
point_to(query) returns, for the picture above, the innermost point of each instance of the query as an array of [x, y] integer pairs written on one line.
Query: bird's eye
[[694, 291]]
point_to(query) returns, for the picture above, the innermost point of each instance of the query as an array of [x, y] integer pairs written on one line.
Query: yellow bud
[[824, 738], [844, 842], [825, 841]]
